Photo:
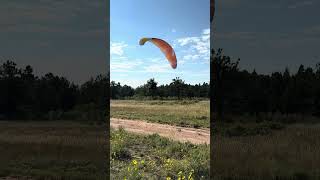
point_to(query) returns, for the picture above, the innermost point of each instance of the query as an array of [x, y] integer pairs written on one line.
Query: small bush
[[119, 150], [259, 129], [235, 131]]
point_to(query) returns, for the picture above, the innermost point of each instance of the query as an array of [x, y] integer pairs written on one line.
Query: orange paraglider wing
[[166, 49]]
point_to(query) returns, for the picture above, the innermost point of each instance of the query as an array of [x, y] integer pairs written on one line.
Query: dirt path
[[195, 136]]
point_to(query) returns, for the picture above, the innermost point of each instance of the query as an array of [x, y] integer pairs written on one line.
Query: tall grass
[[290, 153], [52, 150], [187, 113], [155, 157]]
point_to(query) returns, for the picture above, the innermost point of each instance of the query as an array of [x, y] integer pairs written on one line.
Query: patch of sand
[[182, 134]]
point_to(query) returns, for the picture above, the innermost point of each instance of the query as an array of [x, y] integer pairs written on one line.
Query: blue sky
[[183, 24], [68, 38]]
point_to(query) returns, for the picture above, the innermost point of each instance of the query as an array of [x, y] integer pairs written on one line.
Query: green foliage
[[289, 153], [25, 96], [236, 129], [52, 150], [177, 89], [186, 113], [239, 92], [119, 150], [154, 157]]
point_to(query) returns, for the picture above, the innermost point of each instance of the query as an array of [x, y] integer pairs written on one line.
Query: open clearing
[[183, 113], [265, 150], [196, 136], [154, 157], [52, 150], [289, 153], [160, 139]]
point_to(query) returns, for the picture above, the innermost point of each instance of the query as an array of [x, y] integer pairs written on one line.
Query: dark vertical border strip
[[107, 45], [212, 114]]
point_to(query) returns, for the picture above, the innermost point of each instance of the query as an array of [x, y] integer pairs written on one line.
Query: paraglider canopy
[[165, 47]]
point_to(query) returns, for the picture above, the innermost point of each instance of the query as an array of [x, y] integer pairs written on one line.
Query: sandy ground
[[195, 136]]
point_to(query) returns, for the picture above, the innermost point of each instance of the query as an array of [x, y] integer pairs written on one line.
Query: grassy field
[[185, 113], [153, 157], [268, 152], [241, 149], [52, 150], [70, 150]]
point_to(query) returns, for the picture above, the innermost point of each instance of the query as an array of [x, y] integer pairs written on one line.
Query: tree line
[[177, 89], [241, 92], [23, 95]]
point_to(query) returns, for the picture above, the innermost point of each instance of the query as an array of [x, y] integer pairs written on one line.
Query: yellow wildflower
[[180, 175], [134, 162], [190, 175]]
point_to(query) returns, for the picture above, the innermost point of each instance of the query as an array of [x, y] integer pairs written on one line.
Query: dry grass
[[291, 153], [182, 113], [163, 158], [156, 157], [52, 150]]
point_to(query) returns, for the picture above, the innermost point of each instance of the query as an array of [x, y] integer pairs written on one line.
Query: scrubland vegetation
[[185, 113], [153, 157], [52, 150]]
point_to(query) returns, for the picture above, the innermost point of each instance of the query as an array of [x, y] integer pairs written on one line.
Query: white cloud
[[116, 48], [198, 46], [182, 61], [158, 65], [128, 81], [187, 40], [191, 57], [206, 31], [118, 65], [154, 60], [158, 68], [206, 35], [173, 30]]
